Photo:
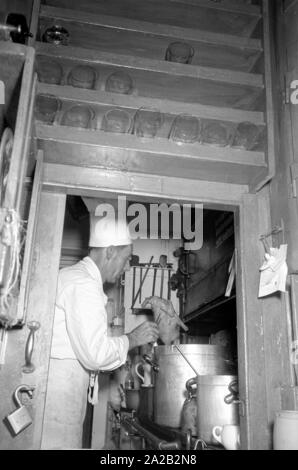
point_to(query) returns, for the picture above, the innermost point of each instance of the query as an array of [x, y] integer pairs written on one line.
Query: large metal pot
[[217, 403], [170, 392]]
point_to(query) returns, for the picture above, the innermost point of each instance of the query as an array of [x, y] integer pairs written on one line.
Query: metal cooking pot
[[217, 403], [174, 371]]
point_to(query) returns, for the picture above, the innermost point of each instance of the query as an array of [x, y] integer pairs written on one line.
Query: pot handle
[[233, 395], [192, 393]]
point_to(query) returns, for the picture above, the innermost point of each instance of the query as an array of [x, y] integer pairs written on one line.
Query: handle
[[33, 326], [233, 395], [189, 387], [138, 373], [216, 436]]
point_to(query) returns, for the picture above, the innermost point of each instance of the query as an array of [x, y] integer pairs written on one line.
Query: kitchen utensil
[[180, 52], [169, 284], [147, 122], [49, 71], [56, 35], [154, 280], [134, 262], [82, 76], [285, 431], [46, 108], [142, 282], [185, 129], [174, 372], [78, 116], [119, 82], [227, 435], [163, 264], [116, 120], [185, 358]]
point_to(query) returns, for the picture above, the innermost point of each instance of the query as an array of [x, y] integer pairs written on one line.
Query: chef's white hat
[[107, 231]]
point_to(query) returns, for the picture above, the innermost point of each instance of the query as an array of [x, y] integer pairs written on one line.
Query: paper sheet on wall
[[274, 272]]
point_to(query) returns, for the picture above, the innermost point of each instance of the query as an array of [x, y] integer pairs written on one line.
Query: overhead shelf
[[160, 79], [221, 16], [150, 40], [131, 102], [89, 148]]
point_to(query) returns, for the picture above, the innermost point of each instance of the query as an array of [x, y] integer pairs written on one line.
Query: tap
[[149, 361]]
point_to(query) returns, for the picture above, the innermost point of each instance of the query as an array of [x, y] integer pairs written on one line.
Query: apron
[[65, 406]]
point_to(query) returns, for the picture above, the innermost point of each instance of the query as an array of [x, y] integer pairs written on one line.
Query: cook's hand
[[145, 333]]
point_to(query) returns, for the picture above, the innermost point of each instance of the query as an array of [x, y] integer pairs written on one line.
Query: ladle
[[183, 355]]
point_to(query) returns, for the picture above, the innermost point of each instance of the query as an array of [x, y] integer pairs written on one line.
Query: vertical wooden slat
[[42, 286], [30, 238], [251, 358]]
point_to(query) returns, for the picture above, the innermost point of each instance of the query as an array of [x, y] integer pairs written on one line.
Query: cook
[[80, 344]]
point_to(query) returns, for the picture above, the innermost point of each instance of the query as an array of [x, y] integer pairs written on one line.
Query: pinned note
[[274, 271]]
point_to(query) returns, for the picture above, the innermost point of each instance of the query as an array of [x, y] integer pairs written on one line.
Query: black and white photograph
[[148, 229]]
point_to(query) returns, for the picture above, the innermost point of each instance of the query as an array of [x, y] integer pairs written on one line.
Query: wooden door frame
[[252, 218]]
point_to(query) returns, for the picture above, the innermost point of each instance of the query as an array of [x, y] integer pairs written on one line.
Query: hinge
[[294, 177]]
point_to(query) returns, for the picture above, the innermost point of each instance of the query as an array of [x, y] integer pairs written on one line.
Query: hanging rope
[[12, 238]]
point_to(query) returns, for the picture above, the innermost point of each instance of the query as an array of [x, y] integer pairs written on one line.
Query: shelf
[[167, 80], [131, 102], [150, 40], [87, 148], [205, 15], [217, 315]]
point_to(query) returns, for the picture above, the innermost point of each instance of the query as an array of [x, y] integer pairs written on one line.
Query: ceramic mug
[[285, 432], [146, 376], [227, 435]]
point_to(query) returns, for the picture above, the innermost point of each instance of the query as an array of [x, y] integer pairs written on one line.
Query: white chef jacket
[[80, 323]]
